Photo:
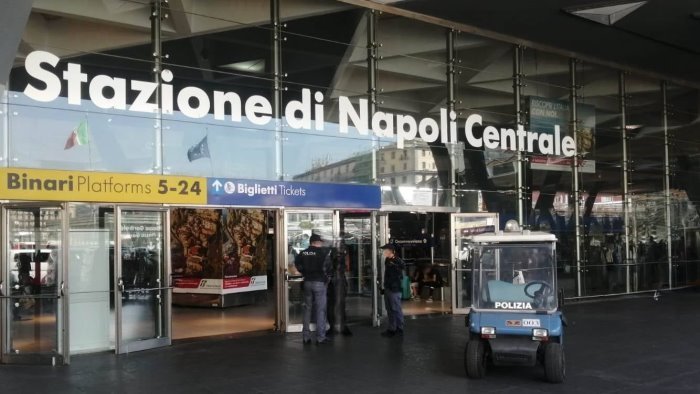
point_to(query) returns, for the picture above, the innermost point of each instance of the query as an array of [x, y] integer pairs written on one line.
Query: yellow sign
[[53, 185]]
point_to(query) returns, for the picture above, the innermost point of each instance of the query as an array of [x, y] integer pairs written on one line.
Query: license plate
[[513, 323], [531, 322]]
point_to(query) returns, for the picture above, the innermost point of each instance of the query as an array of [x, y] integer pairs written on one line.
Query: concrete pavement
[[636, 345]]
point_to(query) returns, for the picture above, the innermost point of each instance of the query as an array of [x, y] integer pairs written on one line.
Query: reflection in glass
[[354, 261], [411, 79], [465, 227], [300, 227], [142, 277], [34, 262], [115, 142]]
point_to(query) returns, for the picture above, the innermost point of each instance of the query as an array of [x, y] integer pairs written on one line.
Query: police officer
[[337, 292], [393, 273], [314, 264]]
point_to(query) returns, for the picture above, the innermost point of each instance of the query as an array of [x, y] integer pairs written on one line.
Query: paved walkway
[[626, 346]]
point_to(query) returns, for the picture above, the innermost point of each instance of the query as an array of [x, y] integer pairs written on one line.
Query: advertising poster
[[545, 114], [218, 251]]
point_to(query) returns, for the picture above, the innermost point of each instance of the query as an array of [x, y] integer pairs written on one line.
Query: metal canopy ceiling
[[659, 37]]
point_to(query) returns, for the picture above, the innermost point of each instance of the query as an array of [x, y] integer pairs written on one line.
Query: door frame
[[284, 278], [122, 347], [454, 254], [62, 355]]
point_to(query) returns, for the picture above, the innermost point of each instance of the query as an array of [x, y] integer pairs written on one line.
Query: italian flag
[[79, 136]]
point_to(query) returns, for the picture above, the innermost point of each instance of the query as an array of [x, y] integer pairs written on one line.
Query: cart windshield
[[518, 277]]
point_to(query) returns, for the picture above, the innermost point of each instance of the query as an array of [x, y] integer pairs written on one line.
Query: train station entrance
[[353, 285], [116, 261], [125, 272]]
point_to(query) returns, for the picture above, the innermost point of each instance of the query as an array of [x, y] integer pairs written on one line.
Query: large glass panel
[[648, 265], [485, 178], [33, 261], [683, 110], [411, 80], [14, 20], [142, 283], [218, 57], [87, 114], [545, 100], [325, 76], [91, 277], [600, 144]]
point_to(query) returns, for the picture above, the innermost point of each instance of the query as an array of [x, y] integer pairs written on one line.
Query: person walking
[[391, 289], [314, 264]]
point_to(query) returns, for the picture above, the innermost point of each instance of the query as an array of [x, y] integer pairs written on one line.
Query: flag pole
[[211, 162], [89, 140]]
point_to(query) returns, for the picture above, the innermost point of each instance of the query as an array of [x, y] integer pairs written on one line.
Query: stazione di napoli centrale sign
[[111, 93]]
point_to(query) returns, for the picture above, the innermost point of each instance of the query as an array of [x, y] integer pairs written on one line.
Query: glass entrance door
[[463, 226], [299, 225], [355, 256], [142, 280], [32, 285]]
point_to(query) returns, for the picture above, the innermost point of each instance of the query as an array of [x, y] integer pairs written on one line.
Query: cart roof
[[520, 236]]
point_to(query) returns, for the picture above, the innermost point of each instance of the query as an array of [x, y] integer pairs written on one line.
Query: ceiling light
[[250, 66], [607, 13]]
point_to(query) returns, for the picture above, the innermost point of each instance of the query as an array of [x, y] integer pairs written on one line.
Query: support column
[[372, 57], [376, 221], [451, 61], [667, 186], [5, 123], [277, 86], [575, 187], [374, 225], [521, 207], [157, 16], [625, 180]]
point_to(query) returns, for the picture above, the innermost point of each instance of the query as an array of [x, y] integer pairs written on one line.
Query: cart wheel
[[475, 359], [554, 363]]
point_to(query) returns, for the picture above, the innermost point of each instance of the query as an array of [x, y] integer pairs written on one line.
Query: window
[[393, 155], [405, 166]]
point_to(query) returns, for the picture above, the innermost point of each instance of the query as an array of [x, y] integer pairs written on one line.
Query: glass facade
[[267, 87]]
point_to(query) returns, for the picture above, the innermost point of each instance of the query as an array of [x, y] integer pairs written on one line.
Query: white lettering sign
[[513, 305], [110, 93]]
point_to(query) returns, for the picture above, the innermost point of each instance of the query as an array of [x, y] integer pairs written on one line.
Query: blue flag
[[198, 151]]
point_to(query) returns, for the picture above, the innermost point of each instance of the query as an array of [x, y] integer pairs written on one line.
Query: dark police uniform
[[337, 292], [314, 263], [393, 273]]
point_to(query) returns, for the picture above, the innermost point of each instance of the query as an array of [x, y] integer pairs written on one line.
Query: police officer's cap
[[391, 247], [315, 238]]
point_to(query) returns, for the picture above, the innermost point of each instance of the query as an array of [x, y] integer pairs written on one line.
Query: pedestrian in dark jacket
[[393, 273], [314, 263]]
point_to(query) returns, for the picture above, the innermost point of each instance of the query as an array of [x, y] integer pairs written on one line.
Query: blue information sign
[[226, 191]]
